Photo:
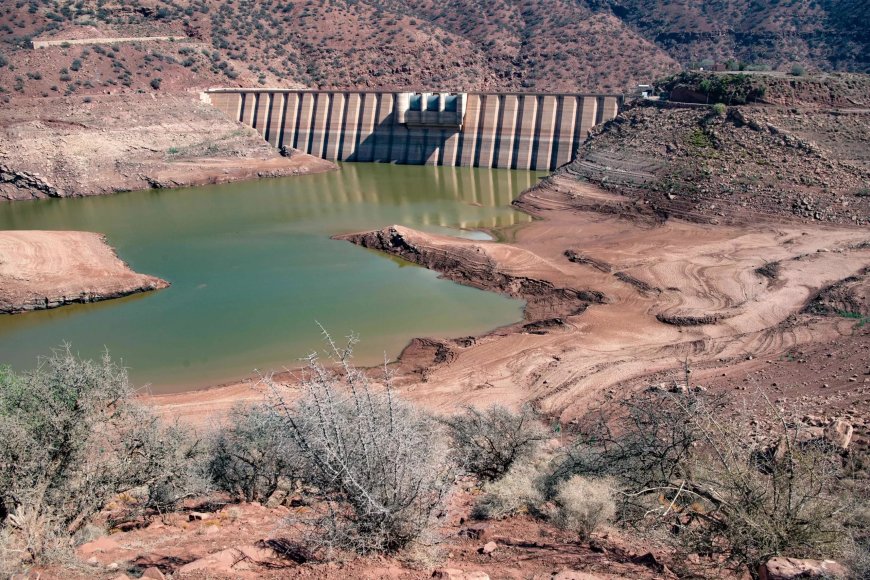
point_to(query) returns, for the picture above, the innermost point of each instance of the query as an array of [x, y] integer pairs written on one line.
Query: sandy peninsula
[[46, 269]]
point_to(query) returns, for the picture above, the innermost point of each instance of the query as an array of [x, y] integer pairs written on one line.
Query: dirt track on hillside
[[634, 299], [41, 269]]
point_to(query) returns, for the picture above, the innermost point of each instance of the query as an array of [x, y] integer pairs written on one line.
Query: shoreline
[[48, 269], [114, 144], [652, 294]]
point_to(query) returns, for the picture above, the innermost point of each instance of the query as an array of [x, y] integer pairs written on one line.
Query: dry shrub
[[584, 504], [71, 439], [378, 462], [718, 489], [488, 442], [252, 453], [517, 491]]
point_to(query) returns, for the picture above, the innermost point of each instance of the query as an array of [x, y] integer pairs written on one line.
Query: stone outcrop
[[792, 568]]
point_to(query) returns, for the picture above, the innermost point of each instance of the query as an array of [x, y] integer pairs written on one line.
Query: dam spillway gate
[[511, 131]]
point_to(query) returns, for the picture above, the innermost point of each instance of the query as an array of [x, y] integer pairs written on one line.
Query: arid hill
[[807, 160], [560, 45]]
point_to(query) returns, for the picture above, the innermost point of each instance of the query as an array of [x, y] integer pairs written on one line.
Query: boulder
[[232, 560], [488, 548], [779, 568], [575, 575], [153, 573], [197, 516], [839, 433], [456, 574], [103, 544], [277, 498], [222, 561]]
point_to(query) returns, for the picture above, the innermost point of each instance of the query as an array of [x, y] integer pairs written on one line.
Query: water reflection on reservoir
[[252, 268]]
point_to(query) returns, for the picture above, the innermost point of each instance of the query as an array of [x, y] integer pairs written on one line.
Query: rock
[[488, 548], [258, 554], [476, 532], [195, 516], [791, 568], [120, 577], [232, 560], [112, 567], [277, 498], [839, 433], [456, 574], [153, 573], [103, 544], [222, 561], [575, 575]]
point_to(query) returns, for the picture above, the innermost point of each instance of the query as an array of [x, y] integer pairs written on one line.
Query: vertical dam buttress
[[512, 131]]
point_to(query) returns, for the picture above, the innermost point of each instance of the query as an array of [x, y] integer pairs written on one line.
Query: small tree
[[378, 462], [252, 454], [798, 70], [487, 443]]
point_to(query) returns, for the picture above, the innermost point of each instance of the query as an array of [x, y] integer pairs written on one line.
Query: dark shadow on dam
[[511, 131]]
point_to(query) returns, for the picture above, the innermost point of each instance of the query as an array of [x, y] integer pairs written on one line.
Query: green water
[[252, 269]]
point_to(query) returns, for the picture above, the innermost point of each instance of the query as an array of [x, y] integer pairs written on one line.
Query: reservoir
[[253, 271]]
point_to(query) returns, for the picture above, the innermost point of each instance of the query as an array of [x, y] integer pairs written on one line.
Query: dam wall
[[513, 131]]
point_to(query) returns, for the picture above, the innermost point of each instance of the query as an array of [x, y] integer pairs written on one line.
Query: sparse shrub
[[486, 443], [155, 83], [798, 70], [584, 504], [378, 462], [252, 454], [71, 439], [721, 492], [719, 109]]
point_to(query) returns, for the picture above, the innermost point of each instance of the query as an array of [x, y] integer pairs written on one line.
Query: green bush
[[715, 487]]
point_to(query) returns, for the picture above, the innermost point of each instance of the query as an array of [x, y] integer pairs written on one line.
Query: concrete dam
[[512, 131]]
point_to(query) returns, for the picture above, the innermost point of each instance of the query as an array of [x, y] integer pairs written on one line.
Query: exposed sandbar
[[47, 269]]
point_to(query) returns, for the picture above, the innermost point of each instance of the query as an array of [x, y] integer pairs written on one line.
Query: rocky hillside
[[721, 163], [558, 45], [822, 34]]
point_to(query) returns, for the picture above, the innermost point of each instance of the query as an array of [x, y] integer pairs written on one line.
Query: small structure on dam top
[[506, 130]]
